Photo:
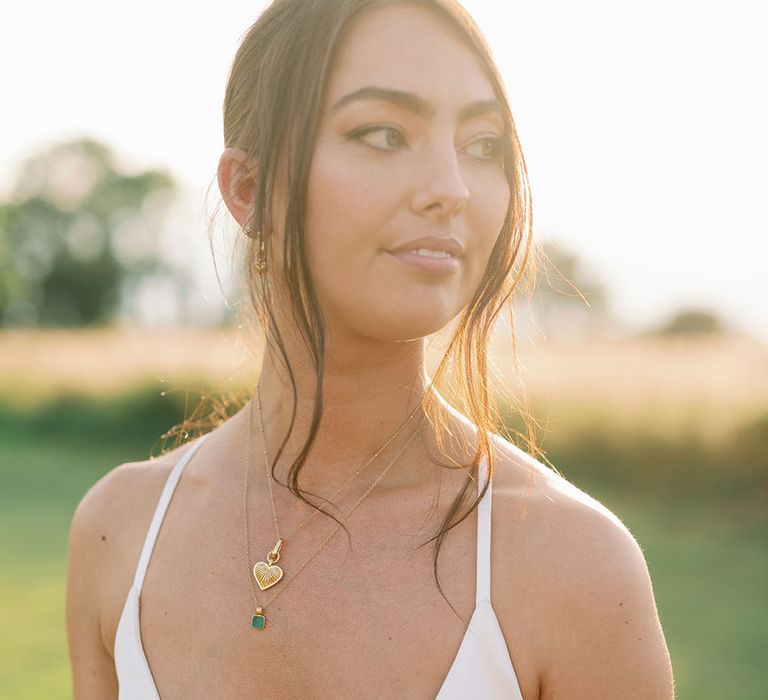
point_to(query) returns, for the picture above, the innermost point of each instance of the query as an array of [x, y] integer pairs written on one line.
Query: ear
[[236, 178]]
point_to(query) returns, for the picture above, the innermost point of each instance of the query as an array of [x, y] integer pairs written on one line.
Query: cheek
[[348, 208], [337, 231], [487, 212]]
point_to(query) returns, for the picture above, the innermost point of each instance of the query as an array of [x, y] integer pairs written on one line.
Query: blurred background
[[644, 348]]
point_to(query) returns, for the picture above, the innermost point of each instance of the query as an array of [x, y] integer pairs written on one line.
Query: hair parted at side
[[272, 109]]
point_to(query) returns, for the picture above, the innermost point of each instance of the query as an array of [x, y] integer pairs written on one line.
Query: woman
[[371, 160]]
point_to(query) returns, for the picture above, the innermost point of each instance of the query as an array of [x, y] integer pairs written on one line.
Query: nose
[[441, 191]]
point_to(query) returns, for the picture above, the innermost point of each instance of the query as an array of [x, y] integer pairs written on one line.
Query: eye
[[383, 138], [486, 148]]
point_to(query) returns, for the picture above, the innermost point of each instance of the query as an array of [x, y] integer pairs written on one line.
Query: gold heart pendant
[[266, 575]]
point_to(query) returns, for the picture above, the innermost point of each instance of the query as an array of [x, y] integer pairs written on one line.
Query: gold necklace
[[268, 574]]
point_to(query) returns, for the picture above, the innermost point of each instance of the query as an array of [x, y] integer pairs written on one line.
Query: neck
[[367, 397]]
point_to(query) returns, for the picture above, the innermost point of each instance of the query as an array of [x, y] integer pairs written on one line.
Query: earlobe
[[236, 182]]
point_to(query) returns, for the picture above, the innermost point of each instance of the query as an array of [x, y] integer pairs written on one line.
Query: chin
[[407, 325]]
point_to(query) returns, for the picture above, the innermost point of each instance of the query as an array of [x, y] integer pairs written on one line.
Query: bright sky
[[643, 124]]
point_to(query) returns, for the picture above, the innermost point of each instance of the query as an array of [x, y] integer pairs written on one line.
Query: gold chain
[[322, 544], [340, 490]]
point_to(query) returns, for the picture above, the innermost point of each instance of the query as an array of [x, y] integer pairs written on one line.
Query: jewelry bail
[[274, 555]]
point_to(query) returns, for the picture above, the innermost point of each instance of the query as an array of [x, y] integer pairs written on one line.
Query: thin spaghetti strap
[[157, 518], [483, 578]]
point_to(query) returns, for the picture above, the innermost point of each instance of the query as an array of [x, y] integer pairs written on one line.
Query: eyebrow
[[413, 103]]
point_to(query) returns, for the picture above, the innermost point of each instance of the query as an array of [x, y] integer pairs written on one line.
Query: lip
[[439, 243], [432, 266]]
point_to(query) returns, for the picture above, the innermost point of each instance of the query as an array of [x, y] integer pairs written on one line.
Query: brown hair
[[271, 111]]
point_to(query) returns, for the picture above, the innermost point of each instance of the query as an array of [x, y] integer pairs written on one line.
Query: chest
[[362, 618]]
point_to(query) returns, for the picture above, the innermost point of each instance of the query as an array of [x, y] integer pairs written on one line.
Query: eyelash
[[358, 134]]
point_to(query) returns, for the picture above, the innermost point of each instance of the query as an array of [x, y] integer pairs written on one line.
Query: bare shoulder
[[114, 506], [547, 497], [585, 578], [105, 538]]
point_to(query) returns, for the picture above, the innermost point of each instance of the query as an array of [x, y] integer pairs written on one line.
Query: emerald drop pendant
[[259, 621]]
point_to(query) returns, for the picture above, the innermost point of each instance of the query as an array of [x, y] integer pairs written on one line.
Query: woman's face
[[407, 194]]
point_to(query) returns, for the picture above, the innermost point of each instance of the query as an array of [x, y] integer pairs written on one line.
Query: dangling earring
[[261, 255]]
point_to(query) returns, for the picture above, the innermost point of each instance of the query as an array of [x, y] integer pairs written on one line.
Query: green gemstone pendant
[[259, 621]]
